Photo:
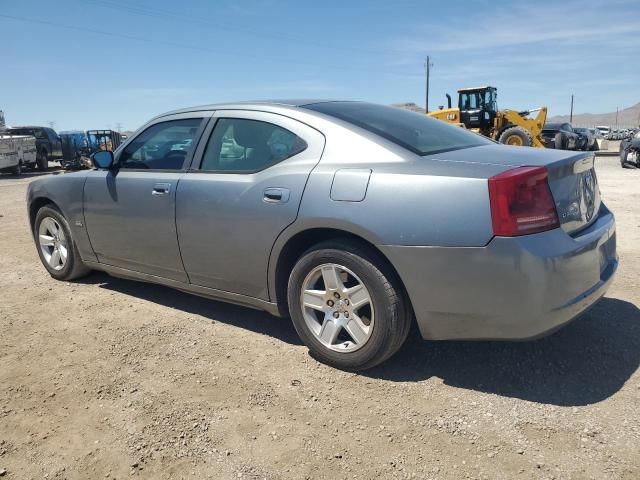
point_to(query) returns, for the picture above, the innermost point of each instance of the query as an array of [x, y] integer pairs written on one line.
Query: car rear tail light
[[521, 202]]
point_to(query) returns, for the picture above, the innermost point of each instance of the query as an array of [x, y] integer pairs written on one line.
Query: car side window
[[242, 145], [163, 146]]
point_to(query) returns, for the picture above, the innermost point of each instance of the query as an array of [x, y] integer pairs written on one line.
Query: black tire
[[42, 160], [73, 268], [560, 141], [595, 147], [516, 136], [623, 160], [393, 312]]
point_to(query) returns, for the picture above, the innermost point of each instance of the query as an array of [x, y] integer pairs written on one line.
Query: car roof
[[475, 89], [251, 104], [552, 125]]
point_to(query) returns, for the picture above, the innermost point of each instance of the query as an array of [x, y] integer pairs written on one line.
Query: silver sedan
[[352, 218]]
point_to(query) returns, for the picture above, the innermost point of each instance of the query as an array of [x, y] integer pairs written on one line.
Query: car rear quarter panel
[[402, 208], [409, 200]]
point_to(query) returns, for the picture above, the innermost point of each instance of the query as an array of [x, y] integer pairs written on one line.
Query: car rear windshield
[[414, 131]]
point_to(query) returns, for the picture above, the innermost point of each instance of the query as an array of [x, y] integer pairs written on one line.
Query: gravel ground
[[107, 378]]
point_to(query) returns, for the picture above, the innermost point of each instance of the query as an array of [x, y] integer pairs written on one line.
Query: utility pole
[[617, 118], [52, 124], [427, 67], [571, 114], [119, 126]]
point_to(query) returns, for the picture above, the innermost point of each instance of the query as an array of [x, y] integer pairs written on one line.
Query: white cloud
[[580, 23]]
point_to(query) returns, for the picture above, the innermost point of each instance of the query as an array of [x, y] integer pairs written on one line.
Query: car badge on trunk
[[588, 189]]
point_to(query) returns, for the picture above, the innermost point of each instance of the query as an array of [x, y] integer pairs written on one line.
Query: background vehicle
[[48, 143], [103, 140], [322, 211], [587, 139], [630, 152], [560, 136], [478, 111], [75, 146], [604, 130], [16, 152], [78, 146]]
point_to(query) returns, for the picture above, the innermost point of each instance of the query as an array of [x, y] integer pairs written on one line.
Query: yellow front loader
[[478, 111]]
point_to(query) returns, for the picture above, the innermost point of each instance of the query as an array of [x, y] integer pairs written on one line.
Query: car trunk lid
[[572, 177], [575, 190]]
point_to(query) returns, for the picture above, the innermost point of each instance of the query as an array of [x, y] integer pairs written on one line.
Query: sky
[[86, 64]]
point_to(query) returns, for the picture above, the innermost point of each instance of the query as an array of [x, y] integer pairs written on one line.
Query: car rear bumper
[[511, 289]]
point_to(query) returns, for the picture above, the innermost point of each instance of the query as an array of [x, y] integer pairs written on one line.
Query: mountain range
[[627, 117]]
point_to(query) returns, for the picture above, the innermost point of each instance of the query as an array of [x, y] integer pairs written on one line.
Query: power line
[[205, 22], [100, 32], [218, 52]]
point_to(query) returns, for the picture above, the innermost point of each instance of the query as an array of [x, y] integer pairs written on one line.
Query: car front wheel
[[56, 248], [347, 307]]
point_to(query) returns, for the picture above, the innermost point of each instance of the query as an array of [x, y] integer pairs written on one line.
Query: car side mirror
[[102, 159]]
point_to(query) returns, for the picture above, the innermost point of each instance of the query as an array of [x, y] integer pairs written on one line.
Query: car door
[[245, 187], [55, 142], [130, 209]]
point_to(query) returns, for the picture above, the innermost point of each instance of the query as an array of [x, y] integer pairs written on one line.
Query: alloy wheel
[[53, 243], [337, 307]]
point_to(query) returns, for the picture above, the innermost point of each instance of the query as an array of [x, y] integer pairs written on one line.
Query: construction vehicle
[[478, 111]]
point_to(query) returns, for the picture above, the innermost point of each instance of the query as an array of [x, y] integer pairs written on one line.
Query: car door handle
[[161, 189], [276, 195]]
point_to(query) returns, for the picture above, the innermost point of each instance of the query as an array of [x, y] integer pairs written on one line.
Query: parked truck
[[48, 143], [16, 152]]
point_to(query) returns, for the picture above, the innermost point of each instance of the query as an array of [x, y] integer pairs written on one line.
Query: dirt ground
[[108, 378]]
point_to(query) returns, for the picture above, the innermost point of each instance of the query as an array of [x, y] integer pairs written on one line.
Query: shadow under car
[[583, 363]]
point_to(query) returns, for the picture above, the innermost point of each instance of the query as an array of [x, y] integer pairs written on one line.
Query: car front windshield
[[416, 132]]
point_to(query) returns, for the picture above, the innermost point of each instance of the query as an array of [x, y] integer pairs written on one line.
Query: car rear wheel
[[18, 169], [56, 248], [347, 308], [42, 160]]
